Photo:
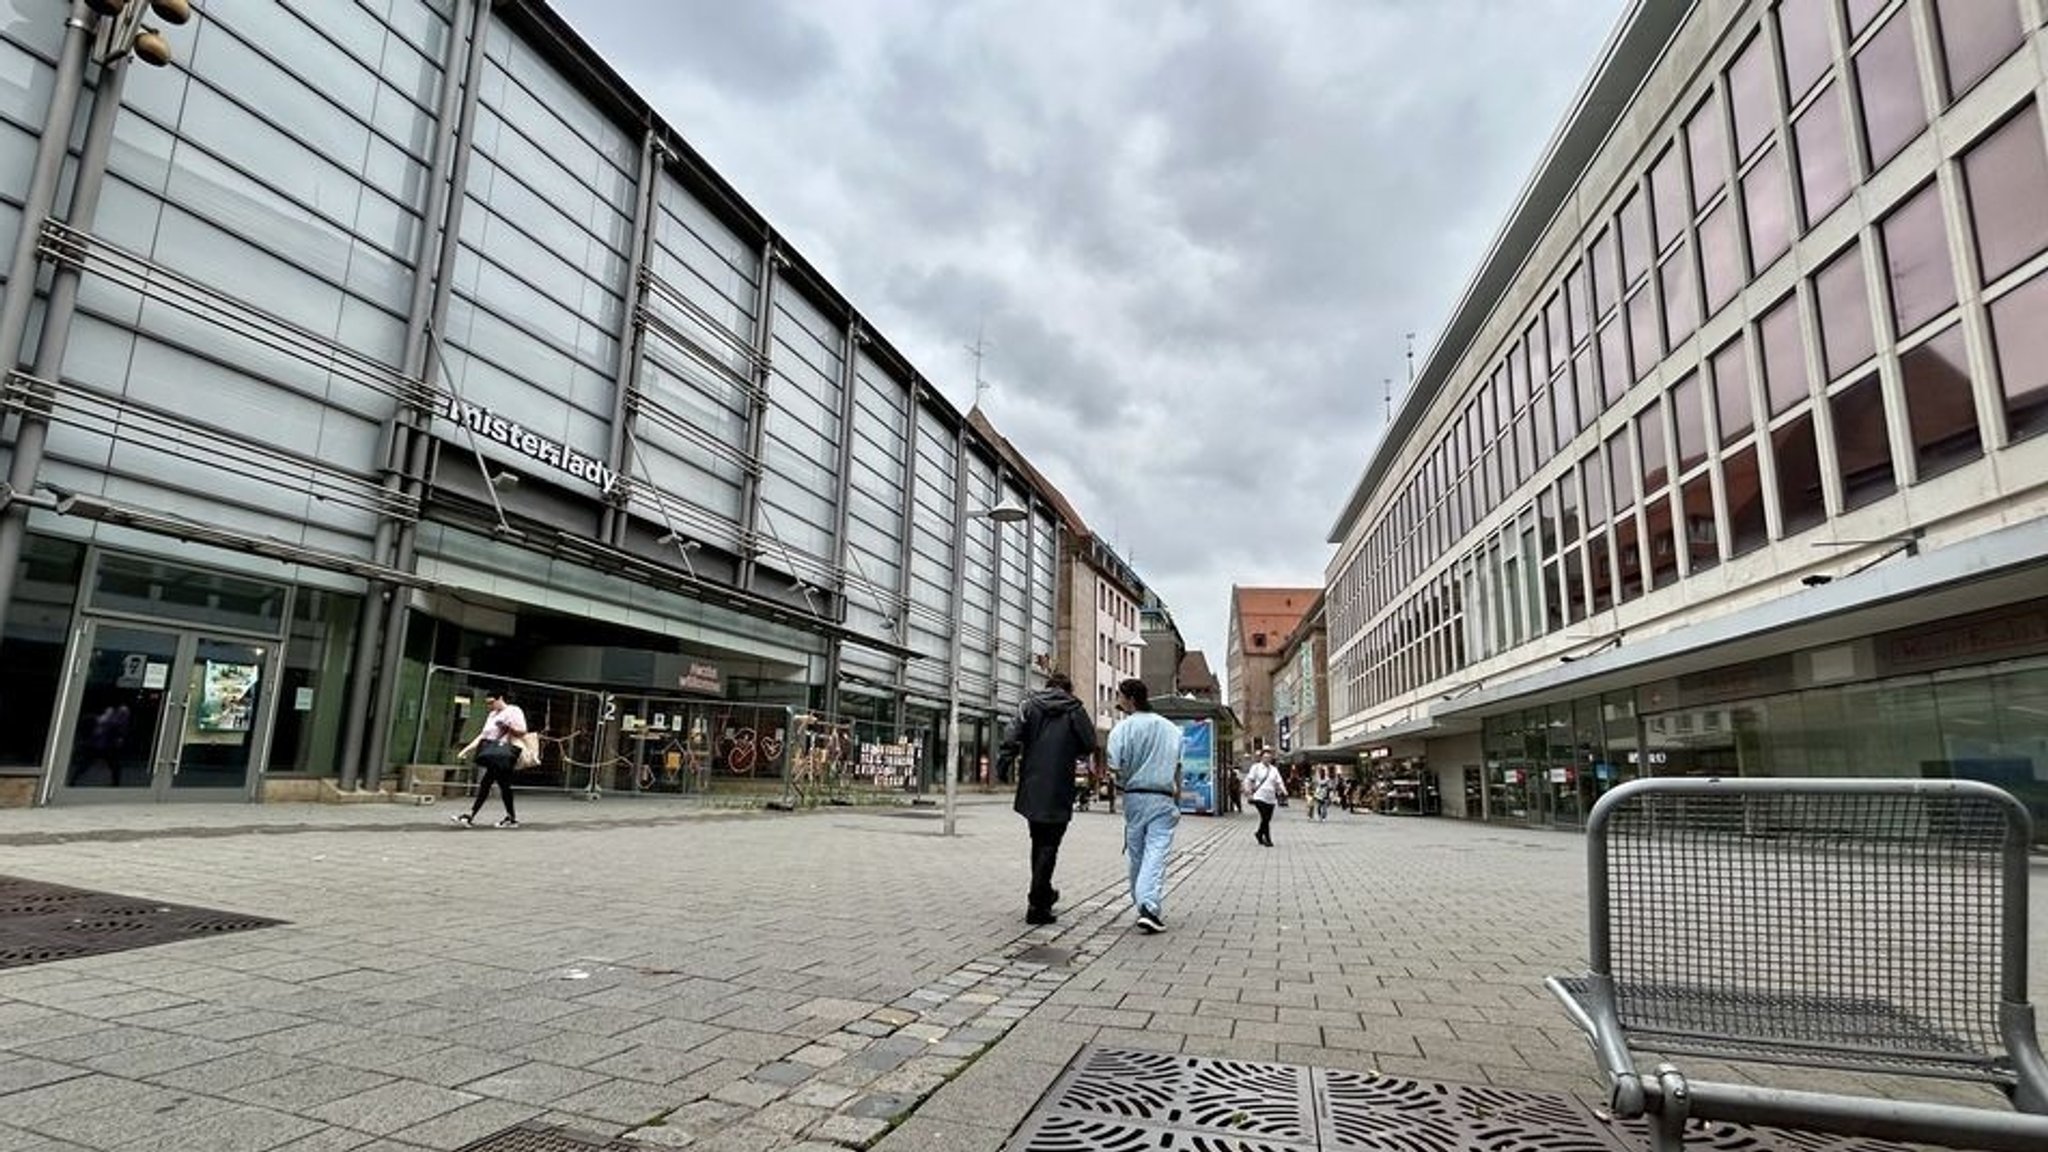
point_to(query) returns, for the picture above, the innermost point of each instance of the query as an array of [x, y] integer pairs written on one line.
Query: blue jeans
[[1149, 821]]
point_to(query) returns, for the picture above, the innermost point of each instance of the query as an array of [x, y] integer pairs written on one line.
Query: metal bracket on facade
[[28, 395]]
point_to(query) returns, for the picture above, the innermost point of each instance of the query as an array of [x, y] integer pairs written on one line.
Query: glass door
[[158, 713]]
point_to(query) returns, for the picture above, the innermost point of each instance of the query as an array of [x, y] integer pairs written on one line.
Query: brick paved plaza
[[718, 981]]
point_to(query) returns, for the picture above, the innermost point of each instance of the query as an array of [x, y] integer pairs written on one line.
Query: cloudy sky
[[1191, 233]]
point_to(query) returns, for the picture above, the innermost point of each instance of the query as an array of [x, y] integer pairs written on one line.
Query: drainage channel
[[923, 1039]]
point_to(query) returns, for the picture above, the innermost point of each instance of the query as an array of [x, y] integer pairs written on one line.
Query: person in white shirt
[[1144, 753], [497, 752], [1262, 787]]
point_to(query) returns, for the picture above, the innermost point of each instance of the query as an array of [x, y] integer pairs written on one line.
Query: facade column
[[906, 551], [632, 332], [855, 339], [757, 409]]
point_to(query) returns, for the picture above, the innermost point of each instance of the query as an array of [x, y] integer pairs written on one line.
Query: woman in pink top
[[497, 753]]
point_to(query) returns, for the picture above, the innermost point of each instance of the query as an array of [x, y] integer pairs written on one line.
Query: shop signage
[[1286, 734], [530, 444], [1379, 753], [1998, 634], [703, 678]]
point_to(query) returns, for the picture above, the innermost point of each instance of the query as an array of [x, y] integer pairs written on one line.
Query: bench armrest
[[1589, 1001]]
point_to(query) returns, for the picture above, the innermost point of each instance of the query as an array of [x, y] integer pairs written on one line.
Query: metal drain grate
[[43, 922], [543, 1138], [1119, 1099]]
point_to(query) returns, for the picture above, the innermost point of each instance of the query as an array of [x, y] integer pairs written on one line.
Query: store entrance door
[[162, 714]]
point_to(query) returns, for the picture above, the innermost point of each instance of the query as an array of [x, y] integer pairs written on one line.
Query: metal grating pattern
[[1116, 1099], [42, 922], [1879, 914], [544, 1138]]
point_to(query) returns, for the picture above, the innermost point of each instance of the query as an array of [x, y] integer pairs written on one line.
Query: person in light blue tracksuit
[[1144, 753]]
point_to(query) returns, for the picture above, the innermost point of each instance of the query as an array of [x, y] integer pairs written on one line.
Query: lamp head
[[172, 11], [1008, 511], [153, 49]]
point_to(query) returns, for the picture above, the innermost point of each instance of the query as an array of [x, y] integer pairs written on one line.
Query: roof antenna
[[979, 350]]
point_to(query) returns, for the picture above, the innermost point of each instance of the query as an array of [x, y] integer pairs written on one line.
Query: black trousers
[[1045, 856], [1265, 808], [497, 764]]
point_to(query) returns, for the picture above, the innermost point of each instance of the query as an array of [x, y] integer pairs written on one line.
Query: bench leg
[[1674, 1107]]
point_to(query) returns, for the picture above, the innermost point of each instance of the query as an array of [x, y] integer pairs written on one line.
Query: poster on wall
[[1197, 766], [227, 697]]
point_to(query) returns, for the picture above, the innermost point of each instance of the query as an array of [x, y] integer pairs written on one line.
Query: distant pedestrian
[[1322, 787], [496, 747], [1262, 787], [1050, 736], [1144, 752]]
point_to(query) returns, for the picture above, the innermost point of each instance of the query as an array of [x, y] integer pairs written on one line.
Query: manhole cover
[[541, 1138], [1120, 1099], [43, 922]]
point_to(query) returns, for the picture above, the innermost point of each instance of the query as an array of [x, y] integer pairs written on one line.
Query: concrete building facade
[[1730, 459], [1261, 619]]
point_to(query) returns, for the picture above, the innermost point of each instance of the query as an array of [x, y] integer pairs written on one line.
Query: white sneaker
[[461, 818], [508, 822]]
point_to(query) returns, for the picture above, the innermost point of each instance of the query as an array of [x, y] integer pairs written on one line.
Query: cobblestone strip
[[850, 1087]]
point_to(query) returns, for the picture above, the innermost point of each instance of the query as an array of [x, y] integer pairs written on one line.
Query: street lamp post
[[1005, 512]]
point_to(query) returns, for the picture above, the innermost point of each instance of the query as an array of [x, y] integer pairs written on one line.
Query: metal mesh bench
[[1865, 925]]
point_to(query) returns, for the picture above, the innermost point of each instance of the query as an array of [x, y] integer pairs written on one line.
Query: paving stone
[[384, 1110]]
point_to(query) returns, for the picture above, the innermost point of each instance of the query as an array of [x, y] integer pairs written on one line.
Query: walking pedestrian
[[1050, 734], [1322, 794], [1144, 752], [496, 747], [1262, 787]]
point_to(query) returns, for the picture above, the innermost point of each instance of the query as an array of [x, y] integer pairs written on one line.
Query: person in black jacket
[[1049, 733]]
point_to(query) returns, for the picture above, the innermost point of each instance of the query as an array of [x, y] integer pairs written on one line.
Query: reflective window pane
[[1581, 316], [1668, 199], [1628, 557], [1923, 285], [2006, 174], [1824, 175], [1803, 29], [1681, 301], [1555, 334], [1976, 35], [1595, 477], [1613, 369], [1888, 77], [1635, 238], [1606, 285], [1645, 339], [1768, 201], [1650, 442], [1703, 135], [1800, 503], [1720, 257], [1784, 355], [1565, 409], [1747, 530], [1863, 447], [1586, 382], [1658, 537], [2019, 332], [1621, 471], [1940, 410], [1690, 417], [1749, 92], [1731, 391], [1702, 535], [1568, 506], [1845, 335], [1861, 13]]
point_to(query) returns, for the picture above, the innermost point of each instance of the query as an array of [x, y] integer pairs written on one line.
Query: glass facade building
[[412, 348], [1736, 434]]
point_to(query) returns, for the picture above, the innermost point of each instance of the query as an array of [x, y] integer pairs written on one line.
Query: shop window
[[1667, 196], [1749, 94], [1703, 136], [1803, 30], [1747, 527], [2019, 333], [1916, 261], [312, 687], [1635, 238], [1690, 418], [1863, 447], [1838, 290], [195, 596], [1720, 257], [1940, 411], [1797, 456], [1702, 530], [1824, 172], [1650, 441], [2006, 175], [1681, 302], [1768, 200], [1888, 78], [1645, 345], [1731, 391], [1784, 356], [1976, 35], [32, 648]]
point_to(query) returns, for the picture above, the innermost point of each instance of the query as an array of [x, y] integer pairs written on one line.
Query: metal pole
[[953, 718], [960, 514], [21, 279]]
